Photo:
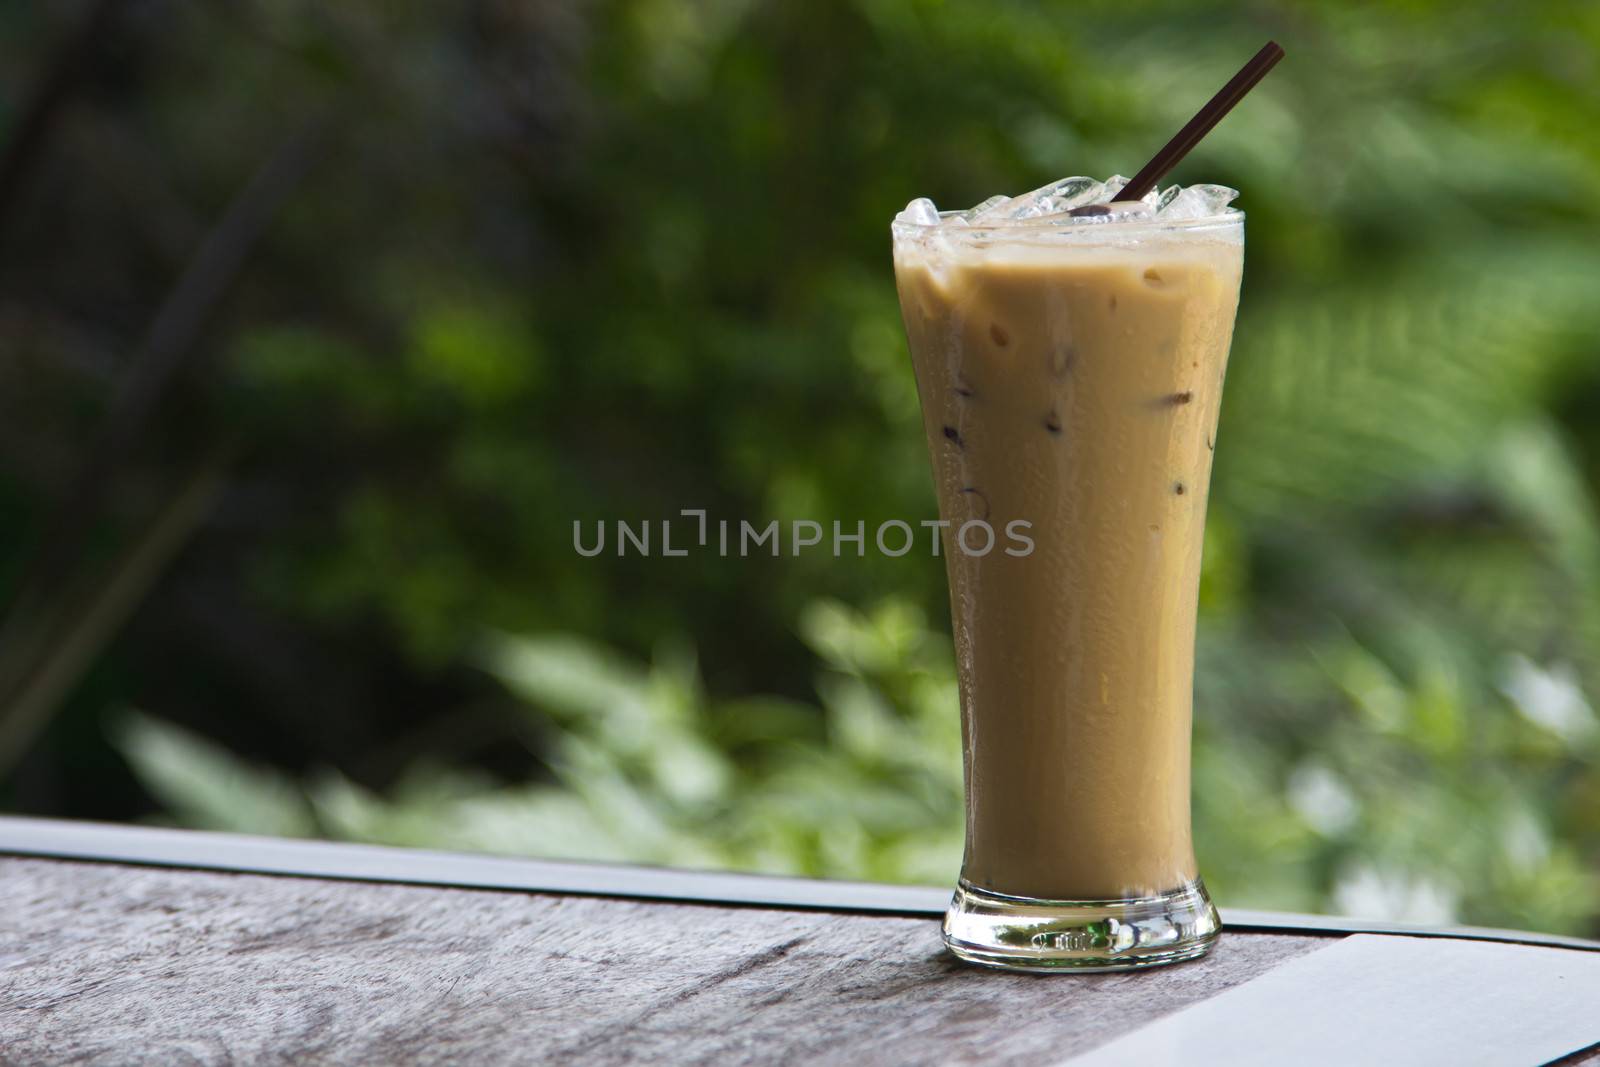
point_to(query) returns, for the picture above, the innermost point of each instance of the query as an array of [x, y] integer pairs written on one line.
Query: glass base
[[1022, 934]]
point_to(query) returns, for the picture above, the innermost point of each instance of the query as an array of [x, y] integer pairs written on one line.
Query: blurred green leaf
[[202, 784]]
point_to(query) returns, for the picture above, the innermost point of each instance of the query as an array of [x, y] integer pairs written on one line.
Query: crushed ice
[[1081, 201]]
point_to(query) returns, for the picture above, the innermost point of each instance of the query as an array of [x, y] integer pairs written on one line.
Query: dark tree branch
[[168, 342], [103, 604]]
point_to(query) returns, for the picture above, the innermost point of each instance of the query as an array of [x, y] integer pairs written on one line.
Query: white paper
[[1382, 999]]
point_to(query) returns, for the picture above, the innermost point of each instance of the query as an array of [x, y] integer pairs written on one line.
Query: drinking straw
[[1197, 127]]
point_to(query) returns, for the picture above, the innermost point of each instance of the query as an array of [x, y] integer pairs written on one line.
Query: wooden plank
[[329, 859], [102, 963]]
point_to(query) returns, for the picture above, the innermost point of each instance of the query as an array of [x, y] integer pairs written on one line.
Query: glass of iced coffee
[[1069, 354]]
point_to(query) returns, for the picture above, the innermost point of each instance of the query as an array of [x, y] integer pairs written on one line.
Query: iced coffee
[[1069, 354]]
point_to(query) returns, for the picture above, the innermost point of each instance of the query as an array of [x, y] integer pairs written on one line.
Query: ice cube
[[1130, 210], [920, 212], [1117, 211], [1067, 194], [1053, 199], [982, 211], [1196, 202], [1122, 210]]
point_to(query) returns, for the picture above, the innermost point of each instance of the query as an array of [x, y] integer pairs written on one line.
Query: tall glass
[[1070, 378]]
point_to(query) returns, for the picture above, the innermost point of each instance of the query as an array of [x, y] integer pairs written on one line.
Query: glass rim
[[1029, 230]]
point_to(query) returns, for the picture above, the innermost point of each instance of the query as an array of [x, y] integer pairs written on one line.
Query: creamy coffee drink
[[1070, 368]]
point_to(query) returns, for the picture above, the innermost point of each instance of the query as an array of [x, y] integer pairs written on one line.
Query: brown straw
[[1201, 124]]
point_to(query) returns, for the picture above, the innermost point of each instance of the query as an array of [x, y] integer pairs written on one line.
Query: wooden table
[[119, 949]]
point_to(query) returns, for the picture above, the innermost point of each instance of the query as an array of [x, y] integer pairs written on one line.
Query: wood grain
[[101, 963]]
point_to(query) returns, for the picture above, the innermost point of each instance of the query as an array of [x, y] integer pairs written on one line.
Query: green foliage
[[201, 784], [648, 769], [612, 263], [1411, 794]]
